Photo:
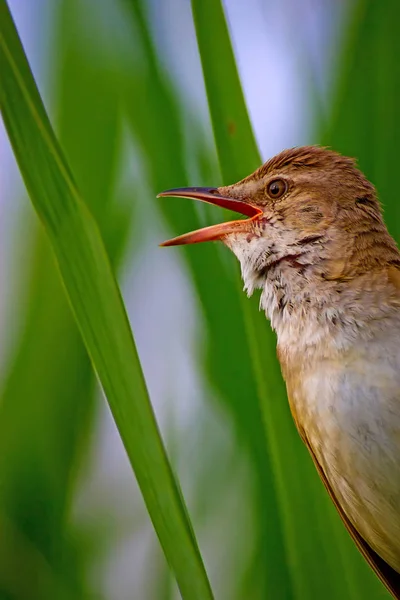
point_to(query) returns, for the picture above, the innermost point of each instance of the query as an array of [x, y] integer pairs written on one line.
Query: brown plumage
[[316, 245]]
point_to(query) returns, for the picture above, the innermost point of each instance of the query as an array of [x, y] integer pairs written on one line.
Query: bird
[[315, 243]]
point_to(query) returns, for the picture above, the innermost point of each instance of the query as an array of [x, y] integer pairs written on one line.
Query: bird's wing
[[389, 577]]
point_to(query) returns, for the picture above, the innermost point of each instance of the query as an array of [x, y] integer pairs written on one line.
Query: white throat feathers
[[304, 309]]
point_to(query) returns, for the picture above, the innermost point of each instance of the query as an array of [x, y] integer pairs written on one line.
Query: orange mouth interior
[[214, 232]]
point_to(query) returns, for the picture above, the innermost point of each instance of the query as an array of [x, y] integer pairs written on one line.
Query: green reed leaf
[[97, 305]]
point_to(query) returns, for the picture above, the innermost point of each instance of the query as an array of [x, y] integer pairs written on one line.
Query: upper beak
[[214, 232]]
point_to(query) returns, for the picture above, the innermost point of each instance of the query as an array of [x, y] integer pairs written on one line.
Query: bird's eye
[[276, 188]]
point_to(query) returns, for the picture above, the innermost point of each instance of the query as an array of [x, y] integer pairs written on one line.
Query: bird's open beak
[[214, 232]]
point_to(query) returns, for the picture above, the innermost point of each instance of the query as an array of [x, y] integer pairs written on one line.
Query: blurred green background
[[123, 84]]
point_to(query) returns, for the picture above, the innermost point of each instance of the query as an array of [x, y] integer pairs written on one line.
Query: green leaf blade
[[237, 147], [313, 544], [97, 305]]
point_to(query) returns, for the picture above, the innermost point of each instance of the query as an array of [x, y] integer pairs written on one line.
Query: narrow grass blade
[[301, 496], [157, 124], [97, 305], [43, 441]]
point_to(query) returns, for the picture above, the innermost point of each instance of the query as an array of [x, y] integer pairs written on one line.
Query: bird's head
[[307, 209]]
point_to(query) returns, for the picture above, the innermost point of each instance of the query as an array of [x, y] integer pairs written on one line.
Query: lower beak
[[215, 232]]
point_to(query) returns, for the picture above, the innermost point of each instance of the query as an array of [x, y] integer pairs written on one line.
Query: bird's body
[[329, 273], [339, 349], [343, 386]]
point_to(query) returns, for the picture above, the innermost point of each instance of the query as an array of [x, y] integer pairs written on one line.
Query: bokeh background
[[122, 82]]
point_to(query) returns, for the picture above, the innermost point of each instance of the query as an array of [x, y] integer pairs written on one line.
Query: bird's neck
[[329, 295], [310, 314]]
